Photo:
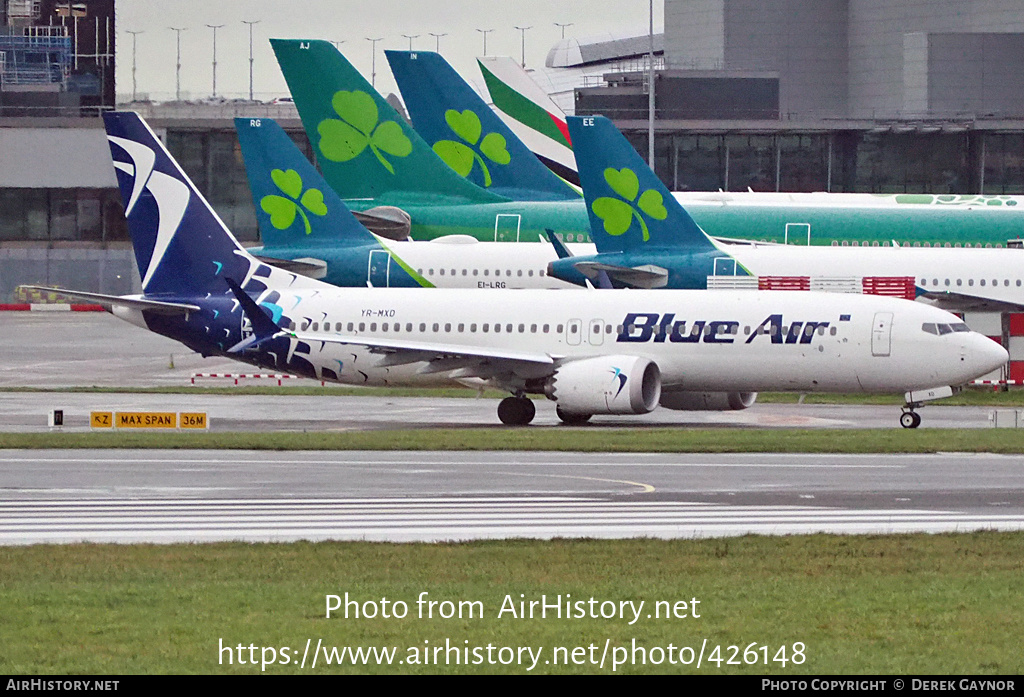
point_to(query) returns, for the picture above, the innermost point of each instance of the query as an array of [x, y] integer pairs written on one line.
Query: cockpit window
[[940, 329]]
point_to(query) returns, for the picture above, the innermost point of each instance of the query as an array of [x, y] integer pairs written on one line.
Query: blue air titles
[[642, 327]]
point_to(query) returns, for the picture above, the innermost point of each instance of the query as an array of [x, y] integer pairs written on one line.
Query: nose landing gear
[[910, 418]]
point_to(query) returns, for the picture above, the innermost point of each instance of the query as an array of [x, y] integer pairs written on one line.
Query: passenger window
[[436, 327], [362, 326], [472, 328], [546, 328], [487, 272], [373, 326], [423, 327], [462, 327], [533, 328], [447, 327], [522, 328], [497, 328], [508, 328], [486, 328], [832, 331], [559, 330], [408, 326], [316, 326], [384, 327]]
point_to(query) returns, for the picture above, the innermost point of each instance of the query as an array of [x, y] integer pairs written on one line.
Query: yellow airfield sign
[[149, 419]]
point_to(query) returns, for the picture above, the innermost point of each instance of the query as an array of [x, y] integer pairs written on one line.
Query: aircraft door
[[596, 332], [725, 266], [881, 334], [506, 227], [573, 332], [798, 233], [378, 274]]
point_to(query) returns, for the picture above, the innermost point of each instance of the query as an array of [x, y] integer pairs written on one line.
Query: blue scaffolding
[[35, 56]]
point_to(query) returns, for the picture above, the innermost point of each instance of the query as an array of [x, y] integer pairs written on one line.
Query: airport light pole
[[563, 26], [485, 32], [177, 72], [437, 41], [522, 33], [414, 36], [134, 36], [250, 23], [215, 27], [650, 92], [373, 70]]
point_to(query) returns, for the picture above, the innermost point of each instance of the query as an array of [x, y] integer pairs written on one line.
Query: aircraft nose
[[982, 355]]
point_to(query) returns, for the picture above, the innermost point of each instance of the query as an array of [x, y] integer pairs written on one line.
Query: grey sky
[[348, 21]]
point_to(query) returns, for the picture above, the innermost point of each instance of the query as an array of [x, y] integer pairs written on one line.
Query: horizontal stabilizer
[[647, 276], [960, 302], [306, 266], [135, 302]]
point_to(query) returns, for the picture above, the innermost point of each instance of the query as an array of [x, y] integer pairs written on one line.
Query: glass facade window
[[55, 215]]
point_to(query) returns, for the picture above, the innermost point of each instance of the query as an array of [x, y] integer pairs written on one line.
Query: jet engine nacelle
[[606, 385], [707, 401]]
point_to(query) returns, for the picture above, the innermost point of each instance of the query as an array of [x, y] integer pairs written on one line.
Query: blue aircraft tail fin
[[181, 245], [294, 204], [466, 134], [629, 208]]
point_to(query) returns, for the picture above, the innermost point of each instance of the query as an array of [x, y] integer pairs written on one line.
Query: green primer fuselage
[[857, 225]]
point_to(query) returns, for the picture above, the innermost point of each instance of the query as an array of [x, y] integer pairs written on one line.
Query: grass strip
[[557, 438], [900, 604]]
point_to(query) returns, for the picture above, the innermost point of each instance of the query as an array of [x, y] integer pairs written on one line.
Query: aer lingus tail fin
[[295, 207], [364, 147], [629, 207], [466, 134]]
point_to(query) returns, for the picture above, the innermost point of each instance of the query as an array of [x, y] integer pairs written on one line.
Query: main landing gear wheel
[[910, 419], [570, 418], [516, 411]]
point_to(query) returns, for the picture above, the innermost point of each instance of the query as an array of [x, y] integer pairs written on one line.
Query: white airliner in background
[[599, 352]]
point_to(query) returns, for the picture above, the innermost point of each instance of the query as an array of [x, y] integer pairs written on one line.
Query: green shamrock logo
[[344, 139], [617, 214], [282, 211], [461, 157]]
